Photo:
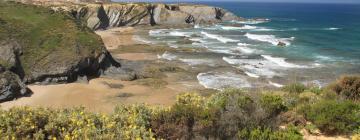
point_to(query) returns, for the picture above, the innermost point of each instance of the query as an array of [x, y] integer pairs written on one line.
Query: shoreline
[[103, 94]]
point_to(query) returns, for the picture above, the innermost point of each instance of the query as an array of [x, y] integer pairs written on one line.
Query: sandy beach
[[104, 94]]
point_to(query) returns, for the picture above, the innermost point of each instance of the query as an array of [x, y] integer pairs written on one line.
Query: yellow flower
[[67, 137]]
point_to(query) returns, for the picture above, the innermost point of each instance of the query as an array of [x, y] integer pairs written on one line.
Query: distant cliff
[[108, 15], [102, 14]]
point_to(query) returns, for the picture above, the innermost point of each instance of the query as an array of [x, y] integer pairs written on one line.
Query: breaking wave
[[281, 62], [270, 39], [219, 38]]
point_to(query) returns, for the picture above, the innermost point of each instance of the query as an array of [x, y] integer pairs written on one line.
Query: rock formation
[[38, 45], [102, 16], [10, 85]]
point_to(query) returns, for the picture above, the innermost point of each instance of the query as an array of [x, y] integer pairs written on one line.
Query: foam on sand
[[142, 40], [193, 62], [270, 39], [167, 32], [275, 84], [251, 74], [219, 38], [222, 80], [167, 56], [157, 32]]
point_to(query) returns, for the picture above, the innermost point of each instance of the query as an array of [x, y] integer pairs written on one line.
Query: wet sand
[[104, 94]]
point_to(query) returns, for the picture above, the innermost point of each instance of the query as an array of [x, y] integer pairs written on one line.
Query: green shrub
[[291, 133], [333, 117], [347, 86], [273, 104], [316, 90], [294, 88]]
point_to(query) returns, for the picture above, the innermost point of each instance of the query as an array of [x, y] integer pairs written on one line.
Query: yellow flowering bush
[[127, 122], [224, 115]]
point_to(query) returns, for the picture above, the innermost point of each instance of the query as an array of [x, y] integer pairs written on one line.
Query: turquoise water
[[312, 23], [322, 43]]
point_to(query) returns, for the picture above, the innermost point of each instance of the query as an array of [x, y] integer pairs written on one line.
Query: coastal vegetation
[[50, 40], [231, 113]]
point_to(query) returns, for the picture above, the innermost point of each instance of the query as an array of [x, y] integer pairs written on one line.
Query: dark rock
[[11, 86], [124, 74], [281, 44], [124, 95], [2, 69], [9, 51]]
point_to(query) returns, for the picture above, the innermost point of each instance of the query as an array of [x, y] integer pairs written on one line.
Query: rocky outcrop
[[69, 71], [46, 51], [10, 85], [102, 16]]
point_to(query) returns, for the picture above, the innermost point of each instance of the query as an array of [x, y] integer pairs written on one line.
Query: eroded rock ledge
[[108, 15]]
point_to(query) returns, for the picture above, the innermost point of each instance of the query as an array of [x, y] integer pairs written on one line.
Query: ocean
[[322, 43]]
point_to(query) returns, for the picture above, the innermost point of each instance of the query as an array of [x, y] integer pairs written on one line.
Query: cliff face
[[40, 45], [102, 16]]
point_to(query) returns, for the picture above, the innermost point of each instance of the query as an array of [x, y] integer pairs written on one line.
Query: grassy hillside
[[47, 38], [228, 114]]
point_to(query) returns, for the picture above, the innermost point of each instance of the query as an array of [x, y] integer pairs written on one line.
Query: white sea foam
[[251, 74], [245, 27], [181, 34], [281, 62], [157, 32], [276, 84], [167, 56], [193, 62], [264, 29], [166, 32], [219, 37], [222, 80], [197, 39], [243, 44], [245, 50], [254, 67], [251, 21], [142, 40], [332, 28], [270, 39], [324, 58]]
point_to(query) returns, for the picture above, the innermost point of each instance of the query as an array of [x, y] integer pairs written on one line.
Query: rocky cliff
[[40, 45], [102, 16]]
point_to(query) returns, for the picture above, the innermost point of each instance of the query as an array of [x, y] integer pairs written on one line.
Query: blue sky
[[291, 1]]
